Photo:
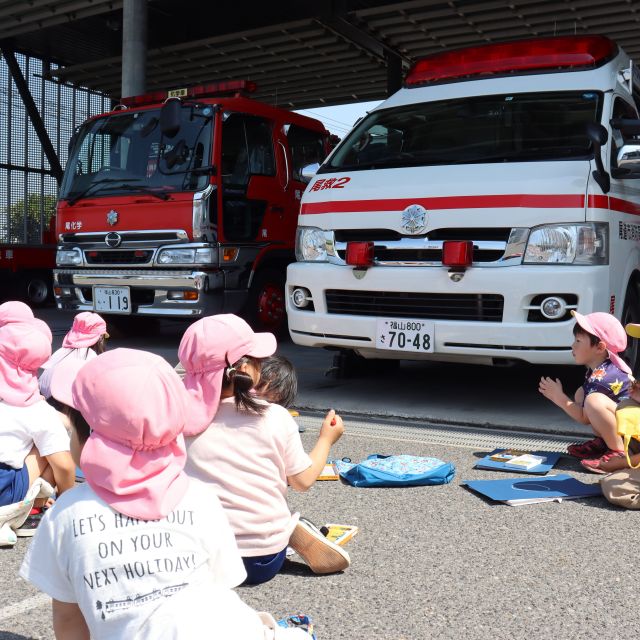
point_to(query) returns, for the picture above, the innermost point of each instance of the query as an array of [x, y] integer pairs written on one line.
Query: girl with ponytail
[[250, 450]]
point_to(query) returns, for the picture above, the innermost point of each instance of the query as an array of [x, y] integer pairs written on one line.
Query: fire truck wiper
[[93, 187], [142, 189]]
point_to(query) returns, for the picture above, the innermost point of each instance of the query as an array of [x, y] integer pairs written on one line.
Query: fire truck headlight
[[176, 256], [68, 257], [313, 244], [585, 244]]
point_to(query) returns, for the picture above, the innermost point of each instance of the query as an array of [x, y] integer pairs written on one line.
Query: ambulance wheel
[[35, 289], [631, 313], [266, 308]]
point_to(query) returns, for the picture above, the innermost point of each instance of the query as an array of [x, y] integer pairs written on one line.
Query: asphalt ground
[[432, 562], [428, 562]]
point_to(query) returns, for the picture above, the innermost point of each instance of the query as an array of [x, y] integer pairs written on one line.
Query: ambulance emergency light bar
[[538, 54], [200, 91]]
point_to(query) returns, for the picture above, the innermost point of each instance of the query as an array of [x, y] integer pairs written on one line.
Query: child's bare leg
[[601, 412], [38, 467]]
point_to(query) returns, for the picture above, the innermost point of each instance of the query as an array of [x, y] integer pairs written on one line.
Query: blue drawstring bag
[[396, 471]]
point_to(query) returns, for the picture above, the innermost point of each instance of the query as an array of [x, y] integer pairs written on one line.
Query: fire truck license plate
[[398, 334], [112, 299]]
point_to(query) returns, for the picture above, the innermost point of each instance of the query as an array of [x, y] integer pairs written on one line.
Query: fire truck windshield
[[479, 129], [126, 153]]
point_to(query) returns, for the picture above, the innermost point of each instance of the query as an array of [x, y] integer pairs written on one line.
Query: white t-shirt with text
[[22, 427], [247, 458], [120, 570]]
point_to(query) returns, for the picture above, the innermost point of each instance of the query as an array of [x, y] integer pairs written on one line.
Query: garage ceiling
[[300, 56]]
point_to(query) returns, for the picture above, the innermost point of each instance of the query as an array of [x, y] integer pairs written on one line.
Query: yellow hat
[[633, 330]]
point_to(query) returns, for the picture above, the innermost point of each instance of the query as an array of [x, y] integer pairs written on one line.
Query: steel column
[[134, 47]]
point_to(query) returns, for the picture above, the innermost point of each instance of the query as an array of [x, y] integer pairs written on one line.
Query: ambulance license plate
[[405, 334], [112, 299]]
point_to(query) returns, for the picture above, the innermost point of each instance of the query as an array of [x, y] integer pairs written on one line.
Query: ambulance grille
[[480, 307]]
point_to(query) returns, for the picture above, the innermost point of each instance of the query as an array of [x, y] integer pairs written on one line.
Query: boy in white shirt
[[33, 440], [125, 554]]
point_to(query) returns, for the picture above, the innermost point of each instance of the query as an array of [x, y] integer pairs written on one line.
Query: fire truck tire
[[266, 308], [631, 313], [35, 289]]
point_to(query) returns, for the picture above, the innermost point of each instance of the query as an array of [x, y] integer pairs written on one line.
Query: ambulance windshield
[[126, 153], [481, 129]]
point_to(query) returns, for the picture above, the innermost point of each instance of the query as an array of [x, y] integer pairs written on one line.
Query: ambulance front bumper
[[514, 335]]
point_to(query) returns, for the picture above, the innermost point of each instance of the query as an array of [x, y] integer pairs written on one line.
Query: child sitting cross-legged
[[598, 339], [140, 550]]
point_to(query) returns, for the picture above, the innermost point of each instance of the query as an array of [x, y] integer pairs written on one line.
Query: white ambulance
[[465, 217]]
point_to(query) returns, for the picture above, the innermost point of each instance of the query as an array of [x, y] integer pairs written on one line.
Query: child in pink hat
[[14, 311], [598, 339], [33, 440], [85, 340], [140, 550], [250, 450]]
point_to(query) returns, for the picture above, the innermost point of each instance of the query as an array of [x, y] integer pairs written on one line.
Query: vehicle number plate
[[112, 299], [400, 334]]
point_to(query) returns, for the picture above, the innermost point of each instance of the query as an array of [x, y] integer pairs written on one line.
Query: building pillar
[[134, 48], [394, 73]]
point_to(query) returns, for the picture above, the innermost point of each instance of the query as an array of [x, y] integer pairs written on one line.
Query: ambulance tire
[[266, 308], [35, 288], [631, 313]]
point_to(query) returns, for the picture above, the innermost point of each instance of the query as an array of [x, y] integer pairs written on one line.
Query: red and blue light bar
[[539, 54]]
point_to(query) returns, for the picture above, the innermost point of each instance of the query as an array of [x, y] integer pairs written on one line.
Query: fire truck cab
[[469, 214], [184, 204]]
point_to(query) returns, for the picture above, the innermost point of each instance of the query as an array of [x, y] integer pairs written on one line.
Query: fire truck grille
[[480, 307], [118, 257]]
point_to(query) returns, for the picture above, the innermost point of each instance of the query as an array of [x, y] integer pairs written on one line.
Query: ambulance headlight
[[313, 244], [568, 244]]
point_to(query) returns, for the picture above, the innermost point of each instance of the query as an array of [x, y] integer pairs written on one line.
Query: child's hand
[[551, 389], [332, 427]]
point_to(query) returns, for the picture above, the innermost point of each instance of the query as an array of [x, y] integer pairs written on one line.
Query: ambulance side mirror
[[598, 136]]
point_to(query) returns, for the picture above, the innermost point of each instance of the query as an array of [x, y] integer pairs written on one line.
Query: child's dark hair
[[578, 330], [242, 383], [100, 346], [80, 425], [278, 381]]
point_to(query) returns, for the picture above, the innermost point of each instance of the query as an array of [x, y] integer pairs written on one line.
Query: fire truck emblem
[[112, 217], [414, 219]]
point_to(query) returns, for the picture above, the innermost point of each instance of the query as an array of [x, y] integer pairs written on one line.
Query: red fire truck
[[183, 204], [25, 269]]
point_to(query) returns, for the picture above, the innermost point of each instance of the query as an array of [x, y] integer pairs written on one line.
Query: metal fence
[[28, 189]]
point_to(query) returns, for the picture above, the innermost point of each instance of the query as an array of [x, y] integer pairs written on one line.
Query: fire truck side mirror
[[599, 136], [309, 171], [170, 117]]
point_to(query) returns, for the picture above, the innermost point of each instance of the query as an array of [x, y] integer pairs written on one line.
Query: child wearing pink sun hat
[[33, 440], [85, 340], [139, 550], [250, 450], [599, 338]]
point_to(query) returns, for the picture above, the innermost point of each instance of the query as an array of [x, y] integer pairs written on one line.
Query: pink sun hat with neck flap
[[24, 348], [206, 349], [86, 330], [14, 311], [610, 331], [135, 404]]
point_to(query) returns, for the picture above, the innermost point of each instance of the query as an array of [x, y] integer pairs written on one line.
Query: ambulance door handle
[[286, 164]]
